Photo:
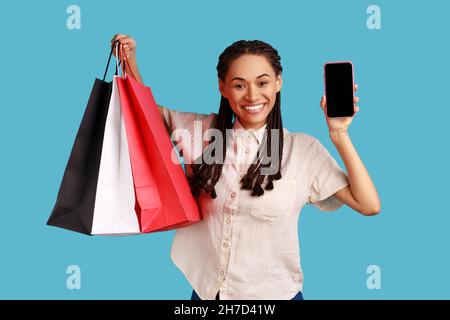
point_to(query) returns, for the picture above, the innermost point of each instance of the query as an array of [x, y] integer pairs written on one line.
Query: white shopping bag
[[114, 212]]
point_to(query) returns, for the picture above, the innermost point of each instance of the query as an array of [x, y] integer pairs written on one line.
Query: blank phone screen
[[339, 89]]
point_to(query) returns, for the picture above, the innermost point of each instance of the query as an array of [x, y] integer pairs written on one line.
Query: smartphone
[[338, 78]]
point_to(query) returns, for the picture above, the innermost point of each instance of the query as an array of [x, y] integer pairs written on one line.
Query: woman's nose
[[252, 94]]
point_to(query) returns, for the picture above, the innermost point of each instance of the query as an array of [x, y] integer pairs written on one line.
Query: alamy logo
[[74, 19], [374, 280], [374, 20], [192, 147], [73, 281]]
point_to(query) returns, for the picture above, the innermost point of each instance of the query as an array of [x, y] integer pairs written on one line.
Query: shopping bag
[[75, 201], [114, 212], [154, 171], [97, 193]]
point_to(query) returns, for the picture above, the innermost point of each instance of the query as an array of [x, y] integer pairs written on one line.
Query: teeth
[[253, 108]]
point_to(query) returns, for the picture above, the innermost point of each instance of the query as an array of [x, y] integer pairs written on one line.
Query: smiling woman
[[249, 74], [251, 97], [246, 246]]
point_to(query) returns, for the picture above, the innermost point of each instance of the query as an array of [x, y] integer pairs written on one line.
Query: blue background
[[400, 133]]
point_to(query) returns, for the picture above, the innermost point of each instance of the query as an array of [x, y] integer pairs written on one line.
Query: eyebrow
[[262, 75]]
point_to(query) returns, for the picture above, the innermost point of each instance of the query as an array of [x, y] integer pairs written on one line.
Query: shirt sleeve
[[183, 128], [327, 179], [174, 119]]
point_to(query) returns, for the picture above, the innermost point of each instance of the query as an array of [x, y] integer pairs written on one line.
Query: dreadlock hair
[[205, 176]]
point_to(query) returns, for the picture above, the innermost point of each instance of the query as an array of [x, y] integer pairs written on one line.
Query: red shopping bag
[[163, 197]]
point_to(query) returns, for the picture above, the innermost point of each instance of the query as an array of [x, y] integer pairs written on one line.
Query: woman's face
[[251, 87]]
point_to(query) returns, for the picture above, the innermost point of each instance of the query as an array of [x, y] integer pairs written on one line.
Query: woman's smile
[[253, 108]]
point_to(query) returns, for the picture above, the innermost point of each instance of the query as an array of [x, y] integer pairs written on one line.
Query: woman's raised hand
[[128, 44]]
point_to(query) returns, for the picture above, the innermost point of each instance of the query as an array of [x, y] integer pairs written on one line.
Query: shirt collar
[[239, 131]]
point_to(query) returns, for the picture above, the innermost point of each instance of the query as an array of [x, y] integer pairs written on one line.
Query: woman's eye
[[263, 83], [239, 86]]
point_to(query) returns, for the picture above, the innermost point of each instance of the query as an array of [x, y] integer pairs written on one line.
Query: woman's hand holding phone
[[340, 91], [338, 125]]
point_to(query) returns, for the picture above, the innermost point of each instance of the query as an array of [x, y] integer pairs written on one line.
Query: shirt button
[[247, 151], [233, 194], [225, 245], [227, 221], [222, 273], [249, 136]]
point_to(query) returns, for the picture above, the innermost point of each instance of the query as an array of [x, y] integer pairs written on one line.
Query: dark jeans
[[298, 296]]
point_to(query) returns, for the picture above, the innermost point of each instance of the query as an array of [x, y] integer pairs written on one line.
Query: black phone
[[338, 78]]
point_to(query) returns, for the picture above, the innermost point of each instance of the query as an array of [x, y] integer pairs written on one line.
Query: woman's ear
[[222, 88], [279, 82]]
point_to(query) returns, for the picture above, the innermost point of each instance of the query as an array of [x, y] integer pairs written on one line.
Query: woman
[[250, 195]]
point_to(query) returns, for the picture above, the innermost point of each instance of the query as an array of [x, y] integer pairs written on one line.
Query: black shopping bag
[[75, 202]]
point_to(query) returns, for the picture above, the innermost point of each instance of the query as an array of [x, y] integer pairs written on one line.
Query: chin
[[253, 121]]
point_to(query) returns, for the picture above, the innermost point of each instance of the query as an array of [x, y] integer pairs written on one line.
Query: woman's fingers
[[356, 108], [124, 41], [121, 38], [323, 102], [355, 87]]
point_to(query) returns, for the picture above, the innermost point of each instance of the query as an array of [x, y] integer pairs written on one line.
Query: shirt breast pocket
[[274, 205]]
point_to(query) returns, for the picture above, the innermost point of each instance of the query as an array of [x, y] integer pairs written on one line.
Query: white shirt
[[248, 247]]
